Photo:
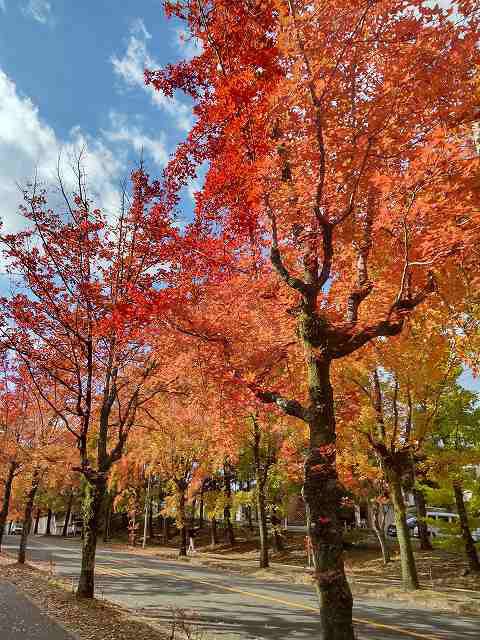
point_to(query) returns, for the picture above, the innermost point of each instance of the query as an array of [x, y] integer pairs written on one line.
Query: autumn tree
[[12, 407], [74, 267], [336, 135], [19, 430], [402, 382], [260, 445], [130, 494], [178, 446], [362, 475], [455, 453], [43, 436]]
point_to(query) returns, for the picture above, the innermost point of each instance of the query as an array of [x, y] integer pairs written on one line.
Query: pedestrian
[[191, 540], [309, 550]]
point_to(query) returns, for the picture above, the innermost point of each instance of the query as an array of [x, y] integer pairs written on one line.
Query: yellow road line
[[288, 603], [377, 625]]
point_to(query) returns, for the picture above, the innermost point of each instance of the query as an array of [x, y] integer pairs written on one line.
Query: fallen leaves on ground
[[87, 620]]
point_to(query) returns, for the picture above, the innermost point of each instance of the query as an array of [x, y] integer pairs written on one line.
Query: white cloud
[[193, 187], [3, 6], [122, 131], [39, 10], [130, 68], [189, 47], [28, 145]]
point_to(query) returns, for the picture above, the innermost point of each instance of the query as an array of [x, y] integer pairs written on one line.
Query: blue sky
[[71, 76]]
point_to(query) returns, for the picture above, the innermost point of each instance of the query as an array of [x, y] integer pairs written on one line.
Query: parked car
[[446, 517], [16, 529], [411, 524]]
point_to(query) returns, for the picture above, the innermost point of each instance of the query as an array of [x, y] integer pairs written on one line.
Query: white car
[[446, 517], [16, 529]]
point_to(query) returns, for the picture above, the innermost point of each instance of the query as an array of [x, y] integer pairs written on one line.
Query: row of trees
[[324, 290], [427, 441]]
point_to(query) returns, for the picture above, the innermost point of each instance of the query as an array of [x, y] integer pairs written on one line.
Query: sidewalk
[[20, 619]]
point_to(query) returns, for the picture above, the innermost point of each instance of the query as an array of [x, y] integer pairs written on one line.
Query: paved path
[[237, 607], [22, 620]]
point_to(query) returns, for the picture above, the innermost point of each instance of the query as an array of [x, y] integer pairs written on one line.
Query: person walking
[[191, 540]]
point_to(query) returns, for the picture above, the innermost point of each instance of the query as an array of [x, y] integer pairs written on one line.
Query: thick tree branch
[[276, 259], [353, 338], [290, 407]]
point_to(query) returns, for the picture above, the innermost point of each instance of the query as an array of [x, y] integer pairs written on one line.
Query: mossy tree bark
[[93, 503], [470, 550], [323, 494], [407, 559]]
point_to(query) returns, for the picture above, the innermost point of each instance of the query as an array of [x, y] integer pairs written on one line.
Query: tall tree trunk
[[27, 518], [37, 522], [260, 482], [201, 515], [262, 527], [166, 529], [183, 530], [7, 493], [93, 502], [407, 559], [49, 523], [249, 509], [150, 519], [227, 512], [108, 510], [194, 507], [421, 508], [213, 532], [67, 514], [276, 528], [323, 495], [470, 550], [161, 523], [378, 521]]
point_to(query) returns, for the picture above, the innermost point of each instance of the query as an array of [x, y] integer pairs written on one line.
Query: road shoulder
[[21, 619], [49, 605]]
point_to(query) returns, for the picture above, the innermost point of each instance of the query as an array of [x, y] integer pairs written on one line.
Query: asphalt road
[[21, 620], [233, 606]]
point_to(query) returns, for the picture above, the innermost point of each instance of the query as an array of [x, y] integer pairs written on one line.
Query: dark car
[[411, 524]]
